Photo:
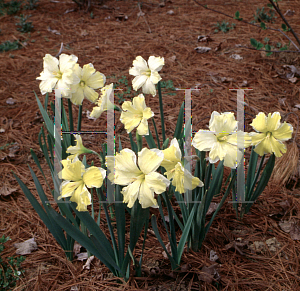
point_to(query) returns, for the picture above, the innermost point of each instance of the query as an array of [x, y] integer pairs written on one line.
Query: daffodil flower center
[[140, 116], [57, 75], [269, 134], [221, 137], [82, 83], [147, 73]]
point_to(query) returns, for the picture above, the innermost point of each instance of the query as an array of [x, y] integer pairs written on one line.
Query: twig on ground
[[244, 21], [60, 50], [252, 48], [141, 13], [276, 7]]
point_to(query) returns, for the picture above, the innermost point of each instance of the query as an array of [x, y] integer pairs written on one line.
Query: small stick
[[244, 21], [142, 14], [60, 50]]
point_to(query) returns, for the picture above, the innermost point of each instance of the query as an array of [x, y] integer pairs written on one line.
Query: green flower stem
[[117, 108], [257, 174], [139, 141], [99, 156], [161, 111], [156, 133], [79, 118], [84, 231], [71, 121], [245, 206]]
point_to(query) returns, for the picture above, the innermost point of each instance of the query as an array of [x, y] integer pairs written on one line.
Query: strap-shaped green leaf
[[232, 180], [46, 101], [150, 141], [120, 144], [253, 182], [48, 122], [120, 220], [251, 172], [185, 233], [62, 206], [134, 146], [156, 133], [265, 177], [208, 175], [55, 229], [94, 229], [38, 208], [108, 221], [173, 242], [179, 123], [138, 218], [160, 208], [155, 229], [91, 244], [183, 209], [215, 185]]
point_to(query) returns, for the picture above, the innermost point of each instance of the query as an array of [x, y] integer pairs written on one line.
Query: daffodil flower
[[103, 104], [135, 114], [76, 178], [141, 181], [58, 74], [221, 139], [182, 178], [146, 75], [89, 80], [270, 134], [79, 148]]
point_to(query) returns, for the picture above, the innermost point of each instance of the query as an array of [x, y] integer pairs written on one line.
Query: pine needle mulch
[[111, 43]]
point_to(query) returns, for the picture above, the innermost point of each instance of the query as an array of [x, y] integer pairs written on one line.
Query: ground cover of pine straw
[[111, 43]]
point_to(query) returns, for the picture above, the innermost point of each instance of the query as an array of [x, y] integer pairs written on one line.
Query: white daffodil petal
[[278, 148], [78, 96], [239, 138], [96, 81], [51, 63], [73, 171], [90, 94], [259, 123], [129, 120], [138, 103], [96, 112], [284, 132], [131, 193], [87, 71], [82, 197], [204, 140], [224, 123], [232, 157], [154, 77], [126, 161], [66, 62], [257, 137], [157, 182], [138, 82], [150, 160], [93, 177], [273, 121], [68, 188], [143, 129], [140, 64], [48, 85], [149, 88], [146, 196], [155, 63]]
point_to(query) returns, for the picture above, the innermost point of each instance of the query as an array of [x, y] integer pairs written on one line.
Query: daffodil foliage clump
[[135, 179]]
